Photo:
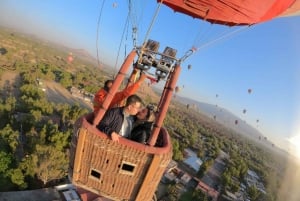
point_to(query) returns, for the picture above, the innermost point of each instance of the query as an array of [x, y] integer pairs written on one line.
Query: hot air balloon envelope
[[234, 12]]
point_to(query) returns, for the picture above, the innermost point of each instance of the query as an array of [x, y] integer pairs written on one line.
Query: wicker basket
[[120, 171]]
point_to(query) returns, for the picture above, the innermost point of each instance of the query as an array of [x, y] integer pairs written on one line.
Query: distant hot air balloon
[[70, 57], [244, 111], [115, 4], [189, 67], [217, 95], [257, 120], [177, 89], [249, 91]]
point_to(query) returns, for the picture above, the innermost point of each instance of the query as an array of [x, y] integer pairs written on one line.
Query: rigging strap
[[97, 37]]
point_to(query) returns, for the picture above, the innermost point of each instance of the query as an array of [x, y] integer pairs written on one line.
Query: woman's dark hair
[[150, 110], [106, 88]]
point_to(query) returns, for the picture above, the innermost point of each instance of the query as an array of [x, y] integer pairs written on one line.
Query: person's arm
[[111, 124], [128, 91], [99, 99], [115, 137]]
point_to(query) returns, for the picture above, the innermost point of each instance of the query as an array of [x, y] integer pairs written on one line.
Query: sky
[[229, 61]]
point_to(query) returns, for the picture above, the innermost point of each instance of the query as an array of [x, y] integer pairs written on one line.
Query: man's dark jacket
[[112, 121]]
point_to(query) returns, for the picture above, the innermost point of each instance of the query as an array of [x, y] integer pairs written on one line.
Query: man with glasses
[[117, 122]]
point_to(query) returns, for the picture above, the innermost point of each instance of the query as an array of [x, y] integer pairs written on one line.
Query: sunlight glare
[[295, 143]]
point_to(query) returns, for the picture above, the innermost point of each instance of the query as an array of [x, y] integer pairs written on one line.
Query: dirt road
[[46, 194]]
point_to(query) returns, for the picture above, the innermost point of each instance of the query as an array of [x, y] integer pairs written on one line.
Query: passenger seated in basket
[[143, 124], [117, 122]]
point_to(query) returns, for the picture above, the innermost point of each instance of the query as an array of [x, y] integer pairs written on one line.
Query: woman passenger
[[143, 124]]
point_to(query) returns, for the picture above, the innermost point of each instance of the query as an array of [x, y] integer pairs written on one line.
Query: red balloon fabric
[[234, 12]]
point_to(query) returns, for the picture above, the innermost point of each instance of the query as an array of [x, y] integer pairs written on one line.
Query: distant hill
[[227, 119]]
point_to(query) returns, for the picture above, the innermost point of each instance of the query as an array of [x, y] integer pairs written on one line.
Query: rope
[[206, 33], [119, 49], [194, 49], [133, 18], [97, 37], [126, 39], [222, 37], [151, 24]]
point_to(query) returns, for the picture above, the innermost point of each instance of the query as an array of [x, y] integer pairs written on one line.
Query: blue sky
[[263, 57]]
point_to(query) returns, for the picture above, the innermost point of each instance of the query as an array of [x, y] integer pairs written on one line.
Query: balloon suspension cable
[[119, 49], [97, 37], [134, 36], [223, 37], [151, 24], [134, 24], [187, 54]]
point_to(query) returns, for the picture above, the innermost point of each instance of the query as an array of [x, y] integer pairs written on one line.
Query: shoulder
[[115, 111], [143, 126], [101, 93]]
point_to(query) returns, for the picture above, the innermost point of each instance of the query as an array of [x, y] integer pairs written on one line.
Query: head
[[108, 84], [146, 114], [133, 104]]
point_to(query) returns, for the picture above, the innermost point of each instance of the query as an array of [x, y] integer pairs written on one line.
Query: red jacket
[[117, 99]]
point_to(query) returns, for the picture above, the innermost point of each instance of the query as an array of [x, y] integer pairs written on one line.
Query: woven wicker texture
[[115, 170]]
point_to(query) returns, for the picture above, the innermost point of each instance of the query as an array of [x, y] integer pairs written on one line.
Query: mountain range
[[227, 119]]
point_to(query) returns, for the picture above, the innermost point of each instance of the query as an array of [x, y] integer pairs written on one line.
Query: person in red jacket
[[119, 96]]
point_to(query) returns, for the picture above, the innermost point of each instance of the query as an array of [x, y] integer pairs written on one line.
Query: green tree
[[172, 192], [9, 138], [199, 195], [177, 154], [253, 193], [17, 177], [37, 115], [7, 108], [50, 163], [43, 135], [75, 112], [10, 104], [60, 139], [66, 80], [5, 161]]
